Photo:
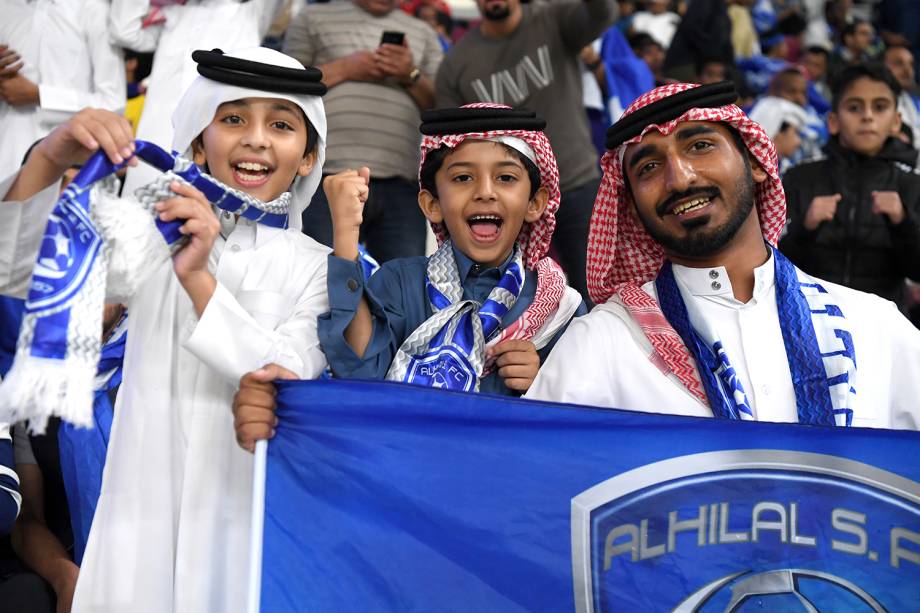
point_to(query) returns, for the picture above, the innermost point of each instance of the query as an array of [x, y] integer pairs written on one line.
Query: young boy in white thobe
[[172, 524]]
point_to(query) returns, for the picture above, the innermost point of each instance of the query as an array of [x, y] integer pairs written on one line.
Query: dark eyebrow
[[641, 152], [691, 131], [278, 106], [512, 163]]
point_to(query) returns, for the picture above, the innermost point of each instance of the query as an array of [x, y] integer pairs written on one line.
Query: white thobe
[[603, 357], [201, 24], [65, 50], [171, 528]]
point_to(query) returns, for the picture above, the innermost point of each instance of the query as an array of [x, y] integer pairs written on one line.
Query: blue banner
[[385, 497]]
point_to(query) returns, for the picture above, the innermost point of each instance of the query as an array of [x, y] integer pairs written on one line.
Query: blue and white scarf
[[819, 349], [95, 245], [448, 349]]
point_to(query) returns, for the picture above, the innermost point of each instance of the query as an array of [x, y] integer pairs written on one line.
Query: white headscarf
[[198, 106]]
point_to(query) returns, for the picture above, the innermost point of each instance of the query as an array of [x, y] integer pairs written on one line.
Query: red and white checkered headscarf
[[622, 256], [619, 249], [534, 238]]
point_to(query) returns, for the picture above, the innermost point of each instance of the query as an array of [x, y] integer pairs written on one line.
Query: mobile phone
[[392, 37]]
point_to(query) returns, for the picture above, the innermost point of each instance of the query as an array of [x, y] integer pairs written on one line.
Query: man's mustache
[[693, 192]]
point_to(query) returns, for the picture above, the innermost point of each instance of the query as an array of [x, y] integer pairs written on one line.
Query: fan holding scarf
[[221, 284]]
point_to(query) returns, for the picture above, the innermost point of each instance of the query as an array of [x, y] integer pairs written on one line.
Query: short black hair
[[818, 50], [850, 28], [874, 72], [435, 159]]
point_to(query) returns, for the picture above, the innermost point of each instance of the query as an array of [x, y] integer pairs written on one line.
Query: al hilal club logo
[[748, 530]]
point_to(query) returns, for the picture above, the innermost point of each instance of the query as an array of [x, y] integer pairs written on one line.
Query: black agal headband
[[222, 68], [440, 122], [670, 108]]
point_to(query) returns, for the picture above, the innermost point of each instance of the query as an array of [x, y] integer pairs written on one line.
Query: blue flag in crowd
[[383, 497]]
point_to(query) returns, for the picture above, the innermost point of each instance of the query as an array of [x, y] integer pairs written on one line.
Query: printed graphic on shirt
[[513, 87]]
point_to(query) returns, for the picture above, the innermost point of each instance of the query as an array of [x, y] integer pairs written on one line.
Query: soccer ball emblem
[[794, 590], [56, 254]]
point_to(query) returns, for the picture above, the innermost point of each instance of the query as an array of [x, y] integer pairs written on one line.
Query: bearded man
[[698, 313]]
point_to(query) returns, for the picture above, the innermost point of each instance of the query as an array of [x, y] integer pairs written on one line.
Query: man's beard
[[702, 243], [497, 13]]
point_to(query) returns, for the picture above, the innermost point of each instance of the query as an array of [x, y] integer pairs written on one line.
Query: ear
[[896, 126], [430, 206], [307, 164], [757, 172], [833, 123], [198, 155], [537, 205]]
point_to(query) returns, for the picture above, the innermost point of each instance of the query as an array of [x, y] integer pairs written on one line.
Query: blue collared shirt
[[399, 304]]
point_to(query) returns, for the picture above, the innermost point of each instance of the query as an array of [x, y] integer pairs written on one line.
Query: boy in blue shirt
[[482, 312]]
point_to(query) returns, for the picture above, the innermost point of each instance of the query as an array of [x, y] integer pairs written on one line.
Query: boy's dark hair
[[850, 29], [640, 41], [874, 72], [312, 137], [435, 159], [818, 50]]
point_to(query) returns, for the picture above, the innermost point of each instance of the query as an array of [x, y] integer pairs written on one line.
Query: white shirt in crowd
[[661, 27], [171, 530], [65, 50], [603, 357], [183, 28]]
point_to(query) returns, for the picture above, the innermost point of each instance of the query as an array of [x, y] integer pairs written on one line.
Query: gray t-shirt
[[369, 124], [537, 67]]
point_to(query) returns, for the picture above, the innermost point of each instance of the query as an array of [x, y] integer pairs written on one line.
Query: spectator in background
[[529, 56], [783, 121], [712, 71], [657, 21], [854, 217], [55, 59], [758, 71], [649, 51], [704, 32], [900, 62], [825, 31], [814, 60], [856, 40], [744, 35], [791, 85], [437, 15], [376, 92], [172, 29], [627, 11]]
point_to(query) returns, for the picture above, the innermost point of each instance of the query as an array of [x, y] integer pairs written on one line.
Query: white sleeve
[[22, 226], [126, 19], [905, 372], [572, 363], [229, 339], [108, 88]]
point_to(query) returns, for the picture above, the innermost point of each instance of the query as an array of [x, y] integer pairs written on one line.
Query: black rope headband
[[441, 122], [222, 68]]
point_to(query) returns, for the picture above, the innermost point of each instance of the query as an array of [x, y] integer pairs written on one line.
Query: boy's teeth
[[252, 166]]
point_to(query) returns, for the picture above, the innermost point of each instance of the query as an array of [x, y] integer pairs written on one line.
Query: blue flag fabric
[[384, 497]]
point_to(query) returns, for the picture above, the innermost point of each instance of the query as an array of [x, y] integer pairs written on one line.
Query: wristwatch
[[414, 75]]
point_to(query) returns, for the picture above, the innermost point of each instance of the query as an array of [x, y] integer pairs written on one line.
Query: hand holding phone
[[392, 37]]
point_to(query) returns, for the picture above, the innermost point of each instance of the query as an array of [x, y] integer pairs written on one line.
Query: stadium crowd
[[832, 82]]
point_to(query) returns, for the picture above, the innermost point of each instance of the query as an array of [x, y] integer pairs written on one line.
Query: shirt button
[[716, 285], [234, 248], [713, 274], [352, 285]]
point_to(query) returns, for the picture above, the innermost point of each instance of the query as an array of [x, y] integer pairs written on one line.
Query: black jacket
[[857, 248]]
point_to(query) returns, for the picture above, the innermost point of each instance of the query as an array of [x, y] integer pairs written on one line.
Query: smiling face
[[693, 189], [865, 117], [256, 145], [483, 198]]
